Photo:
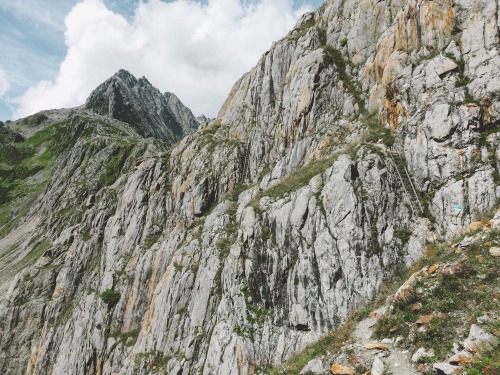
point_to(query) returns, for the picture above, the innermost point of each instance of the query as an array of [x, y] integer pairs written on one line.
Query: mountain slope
[[260, 232]]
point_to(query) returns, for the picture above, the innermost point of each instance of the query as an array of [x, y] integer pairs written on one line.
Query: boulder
[[314, 366], [479, 340], [444, 368]]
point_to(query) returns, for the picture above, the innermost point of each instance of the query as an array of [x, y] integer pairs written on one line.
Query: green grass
[[376, 132], [235, 193], [430, 56], [11, 212], [151, 240], [41, 247], [31, 156], [229, 231], [302, 29], [154, 358], [125, 336], [212, 128], [295, 180], [114, 166], [224, 245], [332, 343], [334, 56], [483, 140]]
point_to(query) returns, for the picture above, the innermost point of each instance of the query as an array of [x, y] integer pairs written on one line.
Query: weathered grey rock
[[460, 358], [483, 319], [479, 340], [444, 368], [465, 243], [495, 251], [387, 341], [314, 366], [422, 353], [495, 222], [436, 68], [378, 367]]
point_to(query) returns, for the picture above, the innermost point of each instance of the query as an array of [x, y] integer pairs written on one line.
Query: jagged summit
[[140, 104]]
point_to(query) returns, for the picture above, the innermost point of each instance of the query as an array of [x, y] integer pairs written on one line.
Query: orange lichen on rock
[[377, 346], [392, 109], [437, 21], [432, 269], [341, 370]]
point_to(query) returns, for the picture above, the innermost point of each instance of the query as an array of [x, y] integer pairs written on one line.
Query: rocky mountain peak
[[140, 104], [125, 76]]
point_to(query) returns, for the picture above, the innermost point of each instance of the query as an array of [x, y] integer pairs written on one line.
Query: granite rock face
[[260, 232]]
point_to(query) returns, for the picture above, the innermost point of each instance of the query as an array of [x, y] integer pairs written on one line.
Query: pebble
[[479, 339], [483, 319]]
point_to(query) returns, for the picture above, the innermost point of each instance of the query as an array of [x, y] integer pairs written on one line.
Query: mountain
[[358, 140], [137, 102]]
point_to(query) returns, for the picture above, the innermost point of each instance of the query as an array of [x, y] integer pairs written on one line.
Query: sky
[[55, 52]]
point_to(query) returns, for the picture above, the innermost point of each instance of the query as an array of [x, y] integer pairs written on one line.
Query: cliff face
[[258, 233]]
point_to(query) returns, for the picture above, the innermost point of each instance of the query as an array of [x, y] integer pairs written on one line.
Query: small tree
[[110, 297]]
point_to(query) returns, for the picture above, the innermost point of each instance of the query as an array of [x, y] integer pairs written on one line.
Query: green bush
[[110, 297]]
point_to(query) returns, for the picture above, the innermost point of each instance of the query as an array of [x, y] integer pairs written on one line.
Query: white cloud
[[196, 50], [4, 84]]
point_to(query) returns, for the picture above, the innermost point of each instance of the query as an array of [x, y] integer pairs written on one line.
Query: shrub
[[110, 297]]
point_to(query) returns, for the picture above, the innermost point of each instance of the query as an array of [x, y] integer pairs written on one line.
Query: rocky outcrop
[[260, 232]]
